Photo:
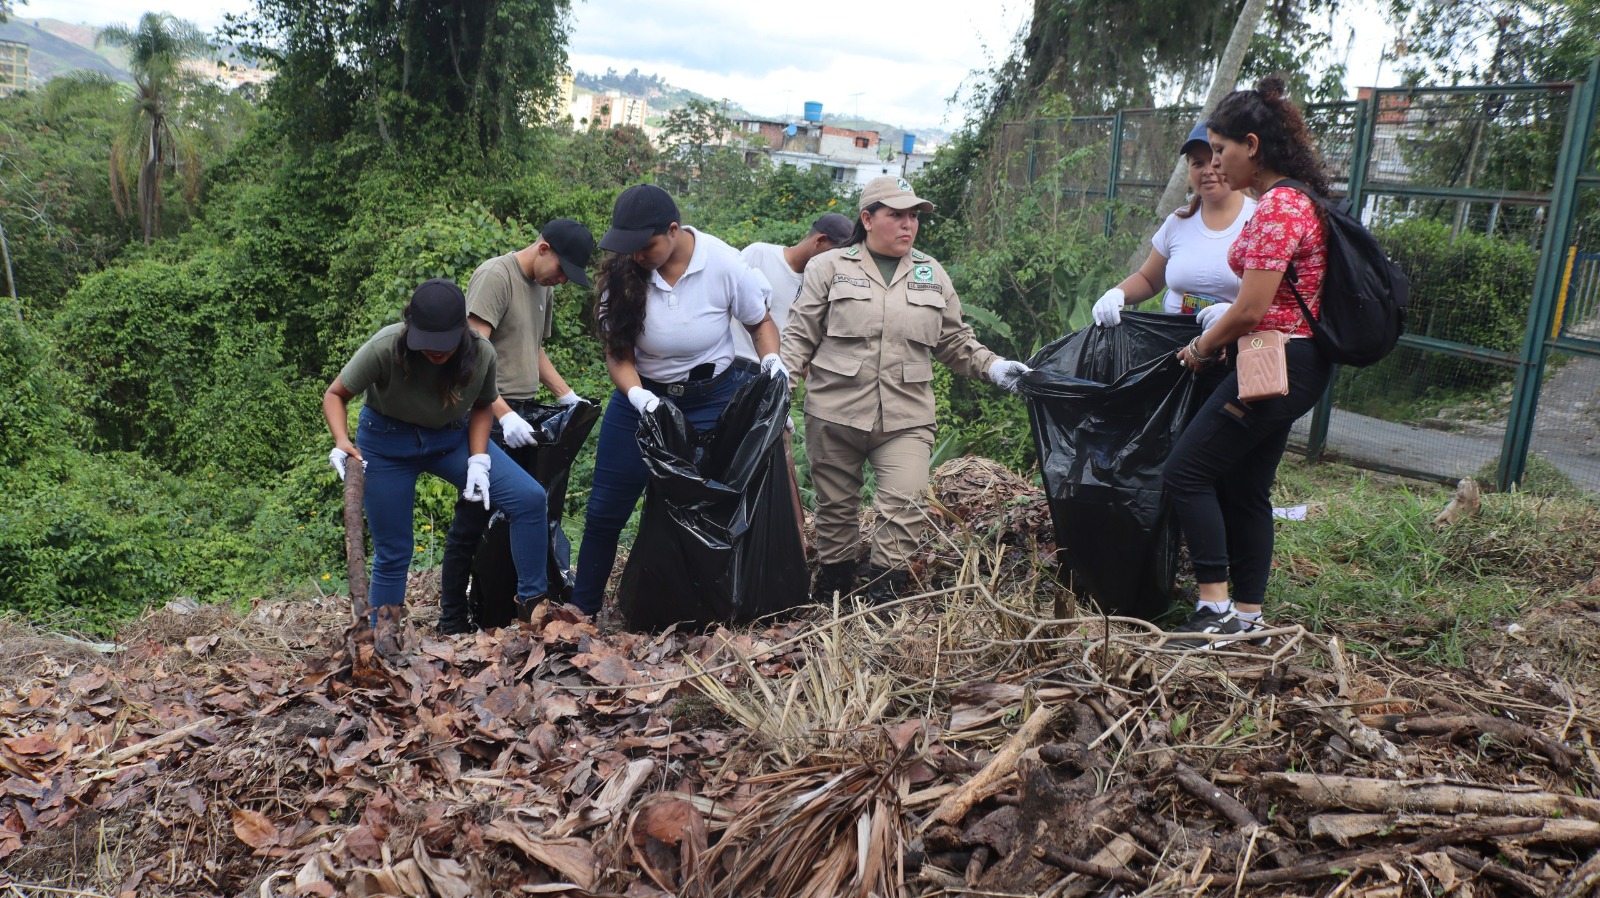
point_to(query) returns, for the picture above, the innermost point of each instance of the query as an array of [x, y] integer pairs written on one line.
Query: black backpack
[[1364, 295]]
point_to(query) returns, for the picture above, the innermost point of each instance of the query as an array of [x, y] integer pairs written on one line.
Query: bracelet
[[1194, 354]]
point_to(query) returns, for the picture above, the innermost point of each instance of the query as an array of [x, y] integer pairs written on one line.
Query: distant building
[[851, 157], [611, 109], [13, 67]]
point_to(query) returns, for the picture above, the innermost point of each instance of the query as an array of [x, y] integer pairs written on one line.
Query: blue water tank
[[813, 111], [908, 144]]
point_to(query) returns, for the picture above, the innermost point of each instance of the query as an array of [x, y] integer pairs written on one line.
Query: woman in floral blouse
[[1221, 470]]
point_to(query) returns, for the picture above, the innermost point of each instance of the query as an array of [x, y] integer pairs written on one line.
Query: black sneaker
[[1228, 622]]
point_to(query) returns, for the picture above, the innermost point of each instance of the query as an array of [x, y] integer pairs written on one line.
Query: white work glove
[[517, 431], [1210, 315], [1108, 308], [1008, 374], [337, 459], [570, 397], [643, 400], [477, 480], [771, 364]]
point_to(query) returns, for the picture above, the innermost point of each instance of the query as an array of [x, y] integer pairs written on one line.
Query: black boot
[[455, 568], [886, 585], [839, 577]]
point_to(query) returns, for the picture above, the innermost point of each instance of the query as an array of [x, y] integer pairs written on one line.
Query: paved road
[[1566, 433]]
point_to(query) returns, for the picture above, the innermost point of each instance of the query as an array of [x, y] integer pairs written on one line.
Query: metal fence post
[[1033, 153], [1116, 171], [1366, 125], [1581, 111]]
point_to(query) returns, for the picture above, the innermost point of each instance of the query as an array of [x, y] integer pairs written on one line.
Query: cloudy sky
[[892, 61]]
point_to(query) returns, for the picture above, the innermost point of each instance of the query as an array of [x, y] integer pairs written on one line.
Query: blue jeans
[[1221, 469], [620, 477], [396, 453]]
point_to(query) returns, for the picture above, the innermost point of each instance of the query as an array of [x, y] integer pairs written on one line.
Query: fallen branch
[[1346, 829], [1359, 794], [1581, 882], [1510, 732], [956, 805], [1345, 864], [1055, 857], [1488, 869], [155, 742]]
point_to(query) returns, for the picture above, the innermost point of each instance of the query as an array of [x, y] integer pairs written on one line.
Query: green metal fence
[[1489, 198]]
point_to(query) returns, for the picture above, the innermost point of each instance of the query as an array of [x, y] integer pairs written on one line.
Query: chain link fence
[[1489, 198]]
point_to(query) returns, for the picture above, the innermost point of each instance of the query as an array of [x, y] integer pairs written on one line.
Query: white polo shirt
[[688, 323]]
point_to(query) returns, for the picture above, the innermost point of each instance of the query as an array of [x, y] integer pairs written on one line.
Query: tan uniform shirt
[[521, 313], [868, 344]]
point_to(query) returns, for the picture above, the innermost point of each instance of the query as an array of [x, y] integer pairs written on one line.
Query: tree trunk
[[11, 283], [150, 183], [1221, 84]]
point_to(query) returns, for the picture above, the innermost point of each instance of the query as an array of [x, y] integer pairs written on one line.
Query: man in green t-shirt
[[509, 300]]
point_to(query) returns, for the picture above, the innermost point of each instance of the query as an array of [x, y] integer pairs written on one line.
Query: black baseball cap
[[835, 227], [573, 245], [436, 316], [641, 211]]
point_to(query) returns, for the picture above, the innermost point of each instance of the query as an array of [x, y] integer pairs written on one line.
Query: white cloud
[[893, 61]]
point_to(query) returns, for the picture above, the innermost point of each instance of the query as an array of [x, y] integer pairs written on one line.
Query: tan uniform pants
[[900, 461]]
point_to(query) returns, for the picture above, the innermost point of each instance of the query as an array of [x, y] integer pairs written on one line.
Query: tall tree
[[415, 75], [1496, 41], [157, 49]]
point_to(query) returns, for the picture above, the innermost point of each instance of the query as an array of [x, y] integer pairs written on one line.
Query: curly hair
[[619, 302], [454, 375], [1286, 144]]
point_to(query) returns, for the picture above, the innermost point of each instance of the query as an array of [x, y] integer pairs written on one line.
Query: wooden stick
[[1581, 882], [1218, 800], [1488, 869], [1339, 866], [956, 805], [1360, 794], [355, 539], [1348, 829], [155, 742], [1510, 732], [1055, 857]]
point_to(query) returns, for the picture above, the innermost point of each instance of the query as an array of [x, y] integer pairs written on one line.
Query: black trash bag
[[1106, 405], [718, 539], [559, 432]]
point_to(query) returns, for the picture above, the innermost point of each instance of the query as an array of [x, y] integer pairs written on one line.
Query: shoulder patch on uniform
[[920, 256], [853, 250], [922, 274]]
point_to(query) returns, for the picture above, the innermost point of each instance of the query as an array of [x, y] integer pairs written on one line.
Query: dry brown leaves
[[977, 742]]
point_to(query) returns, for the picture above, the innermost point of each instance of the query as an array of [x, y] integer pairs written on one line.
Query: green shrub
[[1471, 289]]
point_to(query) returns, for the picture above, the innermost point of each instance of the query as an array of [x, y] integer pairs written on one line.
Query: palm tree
[[157, 50]]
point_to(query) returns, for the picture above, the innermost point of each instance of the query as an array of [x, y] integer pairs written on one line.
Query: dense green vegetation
[[178, 316], [160, 425]]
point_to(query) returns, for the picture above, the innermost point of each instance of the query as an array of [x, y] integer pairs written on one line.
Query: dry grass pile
[[984, 738]]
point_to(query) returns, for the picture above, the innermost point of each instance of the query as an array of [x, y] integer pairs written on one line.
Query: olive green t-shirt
[[886, 266], [521, 313], [415, 399]]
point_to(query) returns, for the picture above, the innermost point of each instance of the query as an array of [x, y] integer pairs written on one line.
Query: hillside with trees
[[186, 709]]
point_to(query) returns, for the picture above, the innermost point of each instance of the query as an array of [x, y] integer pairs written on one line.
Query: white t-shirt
[[1197, 259], [688, 323], [768, 259]]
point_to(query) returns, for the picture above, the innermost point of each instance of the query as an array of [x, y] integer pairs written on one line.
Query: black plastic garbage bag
[[1106, 405], [718, 540], [558, 435]]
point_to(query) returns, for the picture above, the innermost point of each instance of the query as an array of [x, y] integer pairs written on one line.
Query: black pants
[[466, 532], [1221, 470]]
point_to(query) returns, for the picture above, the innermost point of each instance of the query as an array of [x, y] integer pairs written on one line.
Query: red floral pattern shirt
[[1285, 228]]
